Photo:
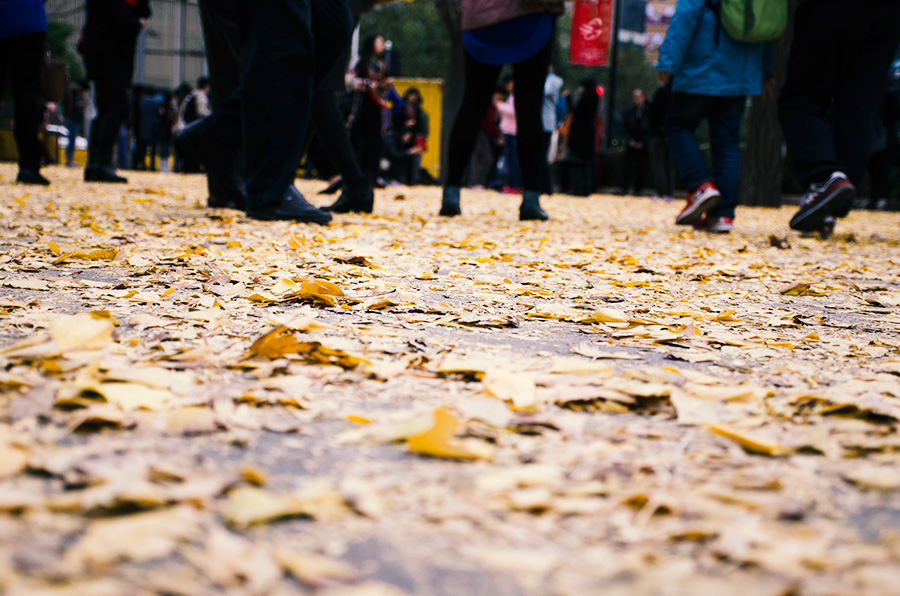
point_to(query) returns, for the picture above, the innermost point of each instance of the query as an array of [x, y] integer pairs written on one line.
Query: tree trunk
[[762, 163], [451, 15]]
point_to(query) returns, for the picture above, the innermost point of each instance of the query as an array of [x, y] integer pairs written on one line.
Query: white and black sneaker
[[828, 198]]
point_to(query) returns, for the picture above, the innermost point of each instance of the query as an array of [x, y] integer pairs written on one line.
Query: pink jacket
[[481, 13], [507, 111]]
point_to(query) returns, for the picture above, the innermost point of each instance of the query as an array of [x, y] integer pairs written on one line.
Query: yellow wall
[[432, 91]]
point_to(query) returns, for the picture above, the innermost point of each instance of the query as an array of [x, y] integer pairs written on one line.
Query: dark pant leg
[[530, 76], [630, 165], [326, 115], [846, 76], [21, 57], [332, 132], [725, 143], [860, 95], [511, 159], [546, 180], [682, 120], [480, 82], [277, 78], [111, 78], [640, 158], [222, 39]]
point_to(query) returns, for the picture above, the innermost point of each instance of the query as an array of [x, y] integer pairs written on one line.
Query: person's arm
[[678, 38]]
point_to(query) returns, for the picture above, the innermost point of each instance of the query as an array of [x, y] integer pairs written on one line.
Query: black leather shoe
[[360, 200], [196, 143], [105, 174], [31, 177], [292, 207]]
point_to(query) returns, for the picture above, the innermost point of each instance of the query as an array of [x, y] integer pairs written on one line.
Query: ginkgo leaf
[[439, 440], [84, 331], [751, 442]]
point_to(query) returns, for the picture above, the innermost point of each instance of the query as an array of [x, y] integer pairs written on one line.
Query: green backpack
[[752, 21]]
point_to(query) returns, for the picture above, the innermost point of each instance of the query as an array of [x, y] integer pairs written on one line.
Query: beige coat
[[481, 13]]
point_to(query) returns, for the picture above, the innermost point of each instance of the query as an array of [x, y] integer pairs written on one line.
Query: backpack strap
[[716, 7]]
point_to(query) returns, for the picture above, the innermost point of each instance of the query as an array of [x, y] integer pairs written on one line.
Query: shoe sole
[[697, 211], [267, 217], [812, 219]]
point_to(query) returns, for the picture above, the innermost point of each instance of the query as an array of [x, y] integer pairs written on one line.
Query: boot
[[530, 209], [450, 202], [359, 200]]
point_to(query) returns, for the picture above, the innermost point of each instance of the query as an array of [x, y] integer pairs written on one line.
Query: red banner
[[591, 26]]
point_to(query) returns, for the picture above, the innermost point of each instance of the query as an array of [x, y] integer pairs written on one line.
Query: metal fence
[[170, 50]]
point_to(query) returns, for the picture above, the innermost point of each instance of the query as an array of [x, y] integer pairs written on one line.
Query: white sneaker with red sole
[[714, 225]]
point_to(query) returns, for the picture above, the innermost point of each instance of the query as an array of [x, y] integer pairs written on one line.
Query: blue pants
[[74, 128], [724, 115]]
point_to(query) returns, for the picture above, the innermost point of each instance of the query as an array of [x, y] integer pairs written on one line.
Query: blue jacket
[[729, 69], [21, 17]]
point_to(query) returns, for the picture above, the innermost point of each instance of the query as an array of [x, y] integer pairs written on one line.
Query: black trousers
[[110, 69], [269, 112], [21, 57], [836, 75], [635, 164], [480, 83], [221, 35], [546, 179], [330, 126]]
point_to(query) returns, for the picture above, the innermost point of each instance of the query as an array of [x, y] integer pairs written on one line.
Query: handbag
[[52, 88]]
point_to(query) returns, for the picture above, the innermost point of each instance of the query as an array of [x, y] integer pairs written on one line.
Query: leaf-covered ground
[[197, 403]]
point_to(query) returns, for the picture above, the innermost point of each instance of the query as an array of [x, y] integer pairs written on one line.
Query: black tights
[[480, 83]]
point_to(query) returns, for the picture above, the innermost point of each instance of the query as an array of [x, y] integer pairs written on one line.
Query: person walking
[[711, 75], [831, 99], [368, 79], [498, 32], [108, 45], [636, 129], [23, 27], [582, 137], [661, 164]]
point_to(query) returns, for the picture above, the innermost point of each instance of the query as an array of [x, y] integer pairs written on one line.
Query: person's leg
[[277, 78], [546, 180], [682, 120], [25, 68], [221, 37], [725, 141], [511, 158], [530, 76], [860, 90], [480, 81], [640, 168], [814, 64], [629, 169]]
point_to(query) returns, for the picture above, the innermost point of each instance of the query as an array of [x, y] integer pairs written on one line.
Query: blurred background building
[[169, 51]]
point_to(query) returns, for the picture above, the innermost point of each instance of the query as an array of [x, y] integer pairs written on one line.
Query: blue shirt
[[21, 17], [698, 65], [509, 42]]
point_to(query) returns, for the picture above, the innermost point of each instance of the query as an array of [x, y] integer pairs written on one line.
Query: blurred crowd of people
[[283, 88]]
